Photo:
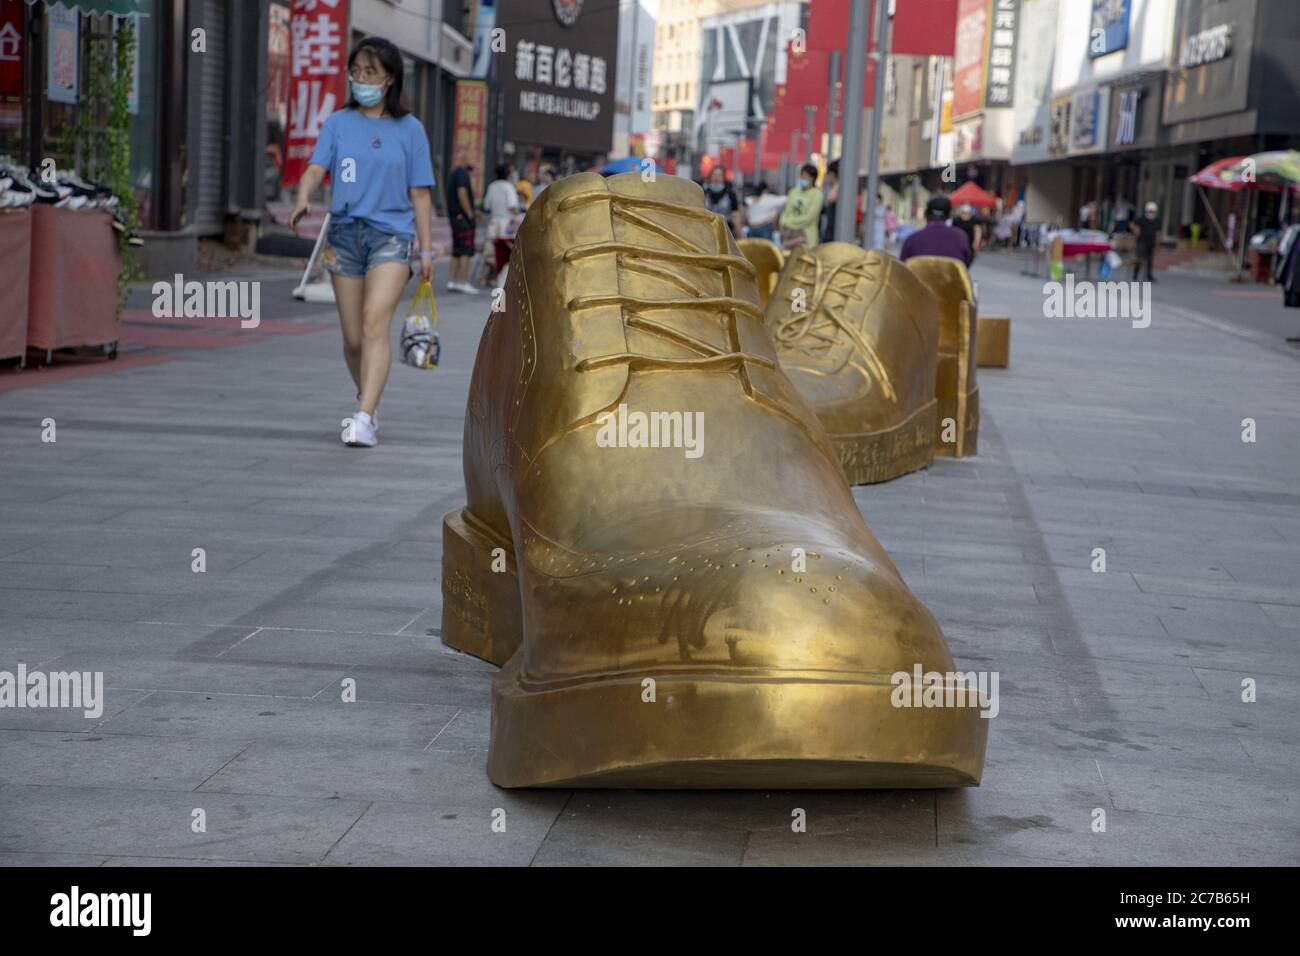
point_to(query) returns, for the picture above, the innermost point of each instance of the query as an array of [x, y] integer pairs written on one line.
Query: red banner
[[808, 79], [11, 48], [727, 159], [924, 28], [469, 131], [807, 76], [745, 161], [318, 81], [828, 24], [968, 56]]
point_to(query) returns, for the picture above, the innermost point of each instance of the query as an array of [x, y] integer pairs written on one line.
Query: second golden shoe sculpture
[[658, 546], [858, 334], [958, 392]]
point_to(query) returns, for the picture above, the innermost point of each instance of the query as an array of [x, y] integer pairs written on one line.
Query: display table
[[74, 269], [16, 254]]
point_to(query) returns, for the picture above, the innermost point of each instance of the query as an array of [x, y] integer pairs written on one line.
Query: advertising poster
[[61, 80], [968, 60], [469, 128], [1108, 31]]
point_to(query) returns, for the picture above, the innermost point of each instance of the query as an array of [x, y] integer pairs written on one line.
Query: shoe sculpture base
[[688, 601], [858, 334], [993, 341]]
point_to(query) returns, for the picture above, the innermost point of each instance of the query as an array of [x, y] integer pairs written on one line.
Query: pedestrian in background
[[878, 223], [831, 188], [382, 201], [802, 213], [460, 210], [763, 208], [938, 238], [500, 202], [544, 179], [967, 223], [720, 197], [1147, 231]]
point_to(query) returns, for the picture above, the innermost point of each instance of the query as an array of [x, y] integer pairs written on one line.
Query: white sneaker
[[455, 286], [362, 433], [374, 418]]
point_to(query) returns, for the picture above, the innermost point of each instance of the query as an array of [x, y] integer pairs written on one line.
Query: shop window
[[73, 97]]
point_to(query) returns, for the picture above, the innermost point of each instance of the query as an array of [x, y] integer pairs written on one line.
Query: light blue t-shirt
[[388, 157]]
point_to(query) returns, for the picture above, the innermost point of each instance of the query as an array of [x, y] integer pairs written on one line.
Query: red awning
[[969, 194]]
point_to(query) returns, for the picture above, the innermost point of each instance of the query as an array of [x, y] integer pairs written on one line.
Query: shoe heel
[[480, 606]]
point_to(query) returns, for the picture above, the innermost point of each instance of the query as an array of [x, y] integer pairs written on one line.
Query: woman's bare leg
[[348, 295], [383, 291]]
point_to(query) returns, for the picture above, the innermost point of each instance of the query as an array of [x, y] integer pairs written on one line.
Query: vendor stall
[[74, 269]]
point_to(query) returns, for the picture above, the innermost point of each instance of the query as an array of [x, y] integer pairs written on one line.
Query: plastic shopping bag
[[420, 345]]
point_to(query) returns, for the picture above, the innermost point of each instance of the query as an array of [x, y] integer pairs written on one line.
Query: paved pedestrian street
[[1149, 713]]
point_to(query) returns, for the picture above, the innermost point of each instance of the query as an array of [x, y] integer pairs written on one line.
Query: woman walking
[[377, 156]]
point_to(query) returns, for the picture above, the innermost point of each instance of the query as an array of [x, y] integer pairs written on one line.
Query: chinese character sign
[[318, 55], [11, 49], [557, 73], [1000, 89], [470, 128]]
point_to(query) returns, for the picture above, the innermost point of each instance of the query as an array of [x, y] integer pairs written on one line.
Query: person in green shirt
[[803, 209]]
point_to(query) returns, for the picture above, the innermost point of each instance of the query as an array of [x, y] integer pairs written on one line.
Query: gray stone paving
[[1120, 691]]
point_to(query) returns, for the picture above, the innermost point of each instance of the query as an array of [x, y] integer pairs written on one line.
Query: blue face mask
[[367, 94], [804, 184]]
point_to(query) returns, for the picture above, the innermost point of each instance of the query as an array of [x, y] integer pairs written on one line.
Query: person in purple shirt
[[938, 238]]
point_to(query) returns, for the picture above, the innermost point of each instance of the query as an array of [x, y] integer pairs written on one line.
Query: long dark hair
[[387, 56]]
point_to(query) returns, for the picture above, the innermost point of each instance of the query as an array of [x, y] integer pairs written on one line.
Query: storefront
[[1232, 91], [197, 82]]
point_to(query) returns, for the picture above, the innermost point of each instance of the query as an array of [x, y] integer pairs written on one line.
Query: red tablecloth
[[74, 271], [16, 256], [1071, 249]]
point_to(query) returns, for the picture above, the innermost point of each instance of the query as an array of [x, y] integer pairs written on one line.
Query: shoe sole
[[872, 457], [620, 741]]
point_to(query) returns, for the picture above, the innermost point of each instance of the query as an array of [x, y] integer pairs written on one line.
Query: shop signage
[[558, 73], [1126, 127], [11, 49], [1208, 46], [1032, 136], [469, 129], [999, 91], [318, 63], [1108, 31]]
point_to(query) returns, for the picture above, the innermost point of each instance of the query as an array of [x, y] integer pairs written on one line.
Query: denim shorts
[[354, 248]]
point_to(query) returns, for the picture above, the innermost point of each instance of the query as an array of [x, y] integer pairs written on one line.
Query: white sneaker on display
[[362, 433]]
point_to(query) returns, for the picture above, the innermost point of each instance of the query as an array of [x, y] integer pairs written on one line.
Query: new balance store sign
[[557, 72]]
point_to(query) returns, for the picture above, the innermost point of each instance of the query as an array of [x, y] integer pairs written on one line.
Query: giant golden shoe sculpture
[[858, 334], [957, 390], [689, 599]]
